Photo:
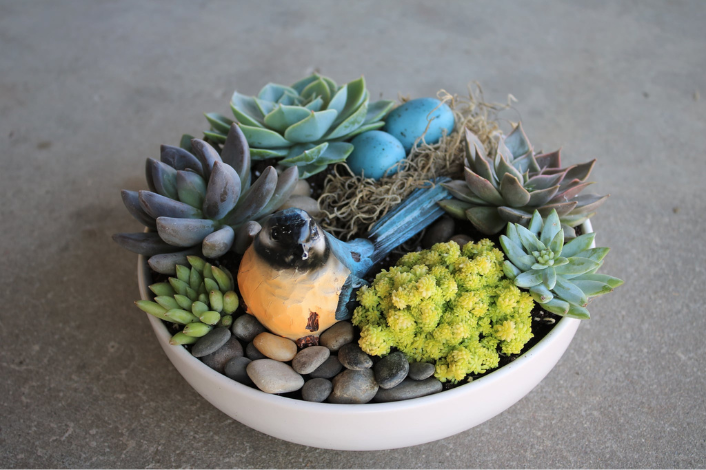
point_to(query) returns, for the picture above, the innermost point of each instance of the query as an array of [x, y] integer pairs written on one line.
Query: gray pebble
[[409, 389], [246, 327], [353, 387], [439, 232], [328, 370], [308, 360], [252, 352], [339, 334], [317, 390], [272, 376], [391, 370], [421, 370], [210, 342], [217, 360], [352, 357], [461, 240], [235, 369]]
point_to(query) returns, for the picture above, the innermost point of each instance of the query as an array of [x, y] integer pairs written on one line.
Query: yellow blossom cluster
[[450, 306]]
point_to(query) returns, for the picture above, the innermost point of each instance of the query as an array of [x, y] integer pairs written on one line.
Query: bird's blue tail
[[413, 215]]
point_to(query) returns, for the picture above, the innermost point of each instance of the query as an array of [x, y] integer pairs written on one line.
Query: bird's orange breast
[[289, 302]]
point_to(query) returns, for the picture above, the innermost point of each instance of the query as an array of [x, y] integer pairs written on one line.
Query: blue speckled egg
[[374, 153], [408, 121]]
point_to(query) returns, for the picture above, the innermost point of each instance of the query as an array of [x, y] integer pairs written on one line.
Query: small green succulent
[[201, 202], [199, 298], [306, 123], [562, 278], [509, 187]]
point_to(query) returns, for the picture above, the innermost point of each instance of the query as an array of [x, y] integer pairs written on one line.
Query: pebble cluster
[[335, 371]]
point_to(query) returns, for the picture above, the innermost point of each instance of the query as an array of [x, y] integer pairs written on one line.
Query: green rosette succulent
[[198, 298], [511, 186], [307, 123], [202, 202], [562, 278]]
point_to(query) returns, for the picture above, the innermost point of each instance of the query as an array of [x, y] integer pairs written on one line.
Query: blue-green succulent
[[562, 278], [306, 124], [202, 202]]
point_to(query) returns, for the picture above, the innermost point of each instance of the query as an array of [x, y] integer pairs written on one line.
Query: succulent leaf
[[542, 196], [512, 191], [569, 292], [556, 306], [312, 128], [219, 122], [576, 267], [353, 122], [613, 282], [460, 190], [163, 178], [529, 240], [529, 278], [483, 188], [517, 216], [245, 236], [222, 192], [184, 232], [236, 153], [180, 159], [254, 199], [147, 244], [595, 254], [165, 263], [592, 288], [157, 205], [549, 160], [510, 270], [455, 208], [580, 313], [536, 223], [191, 188], [541, 294], [517, 141], [162, 288], [218, 243], [132, 204], [581, 171], [548, 278], [578, 244], [516, 254], [485, 219], [286, 183]]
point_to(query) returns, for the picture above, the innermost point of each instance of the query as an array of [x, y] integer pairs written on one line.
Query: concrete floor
[[88, 90]]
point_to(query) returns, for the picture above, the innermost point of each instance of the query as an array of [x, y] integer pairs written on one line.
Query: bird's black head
[[292, 239]]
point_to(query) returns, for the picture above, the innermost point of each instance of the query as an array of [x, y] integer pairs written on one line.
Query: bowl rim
[[565, 324]]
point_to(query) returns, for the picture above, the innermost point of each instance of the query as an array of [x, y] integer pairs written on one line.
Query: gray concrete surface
[[88, 90]]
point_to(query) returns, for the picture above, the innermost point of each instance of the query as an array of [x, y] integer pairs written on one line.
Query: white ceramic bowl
[[373, 426]]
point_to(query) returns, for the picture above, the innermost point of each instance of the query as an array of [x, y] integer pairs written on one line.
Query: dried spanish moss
[[352, 204]]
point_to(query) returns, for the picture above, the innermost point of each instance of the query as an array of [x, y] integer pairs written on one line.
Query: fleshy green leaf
[[529, 240], [258, 137], [541, 294], [557, 242], [592, 288], [455, 208], [312, 128], [263, 154], [516, 254], [378, 110], [483, 188], [306, 156], [577, 312], [578, 244], [304, 82], [556, 306], [517, 141], [273, 92], [512, 191], [613, 282], [184, 232], [568, 291], [352, 123], [246, 111], [549, 278], [459, 189], [282, 117], [529, 279], [219, 122], [576, 267], [356, 96], [516, 216], [338, 102], [510, 270], [595, 254], [486, 219], [551, 227], [536, 223], [317, 89]]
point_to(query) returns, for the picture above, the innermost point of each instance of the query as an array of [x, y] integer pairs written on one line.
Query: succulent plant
[[202, 199], [199, 298], [562, 278], [511, 186], [305, 123]]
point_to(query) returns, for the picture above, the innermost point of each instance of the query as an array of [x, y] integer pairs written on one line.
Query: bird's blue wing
[[355, 255], [352, 283]]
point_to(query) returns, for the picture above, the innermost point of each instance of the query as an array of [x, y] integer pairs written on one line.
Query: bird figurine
[[297, 279]]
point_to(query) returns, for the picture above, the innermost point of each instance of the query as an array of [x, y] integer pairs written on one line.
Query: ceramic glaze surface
[[374, 153], [409, 121], [374, 426]]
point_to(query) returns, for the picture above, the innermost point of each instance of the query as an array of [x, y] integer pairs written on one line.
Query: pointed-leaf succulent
[[202, 202], [306, 123], [511, 186], [199, 297], [562, 278]]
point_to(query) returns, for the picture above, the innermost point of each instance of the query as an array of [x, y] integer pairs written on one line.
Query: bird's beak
[[303, 240]]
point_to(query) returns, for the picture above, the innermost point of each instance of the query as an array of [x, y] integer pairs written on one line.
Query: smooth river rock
[[252, 353], [420, 370], [308, 360], [272, 376], [275, 347], [246, 327], [353, 387], [328, 370], [461, 240], [317, 390], [391, 370], [236, 369], [408, 389], [210, 342], [217, 360], [352, 357], [338, 335], [439, 232]]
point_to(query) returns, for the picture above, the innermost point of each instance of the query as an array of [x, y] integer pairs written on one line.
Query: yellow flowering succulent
[[446, 305]]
